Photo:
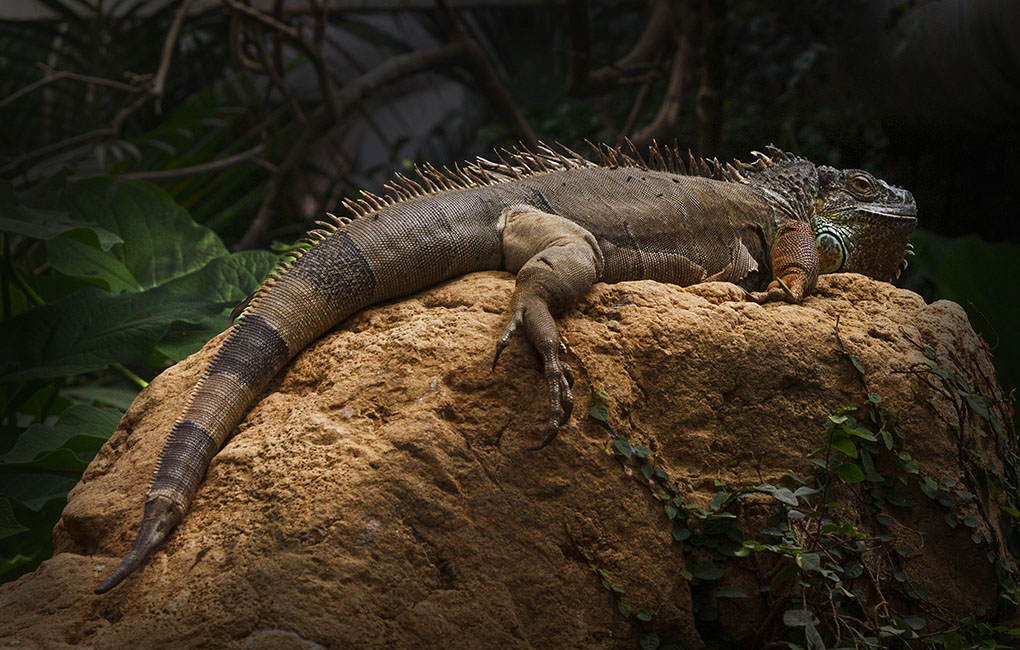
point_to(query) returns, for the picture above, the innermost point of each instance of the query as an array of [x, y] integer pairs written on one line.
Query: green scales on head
[[561, 223]]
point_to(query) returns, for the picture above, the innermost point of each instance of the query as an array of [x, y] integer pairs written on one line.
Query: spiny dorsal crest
[[520, 163]]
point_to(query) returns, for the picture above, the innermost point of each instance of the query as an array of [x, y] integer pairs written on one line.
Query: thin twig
[[53, 75], [154, 90], [159, 81], [665, 119], [346, 98], [713, 75], [649, 47], [268, 21], [488, 79], [274, 69], [203, 168], [294, 36]]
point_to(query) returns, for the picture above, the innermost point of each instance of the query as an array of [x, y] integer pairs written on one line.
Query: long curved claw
[[777, 290], [515, 322], [559, 380]]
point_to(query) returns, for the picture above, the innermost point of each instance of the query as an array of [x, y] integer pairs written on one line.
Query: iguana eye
[[862, 184], [831, 252]]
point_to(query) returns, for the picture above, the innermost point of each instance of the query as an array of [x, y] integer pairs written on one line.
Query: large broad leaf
[[79, 259], [35, 489], [90, 329], [45, 224], [9, 524], [162, 242], [79, 431]]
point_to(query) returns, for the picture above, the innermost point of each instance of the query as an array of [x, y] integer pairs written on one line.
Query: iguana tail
[[393, 249]]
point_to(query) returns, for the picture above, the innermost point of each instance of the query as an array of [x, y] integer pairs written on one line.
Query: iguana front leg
[[556, 262], [794, 264]]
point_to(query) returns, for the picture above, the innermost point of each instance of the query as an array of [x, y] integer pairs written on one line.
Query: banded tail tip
[[161, 515]]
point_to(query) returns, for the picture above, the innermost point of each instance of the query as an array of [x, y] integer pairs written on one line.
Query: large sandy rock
[[380, 495]]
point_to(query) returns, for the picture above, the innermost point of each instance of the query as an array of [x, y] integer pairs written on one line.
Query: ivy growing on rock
[[839, 576]]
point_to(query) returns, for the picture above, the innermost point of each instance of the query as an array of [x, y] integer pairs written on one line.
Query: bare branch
[[655, 37], [346, 98], [665, 119], [53, 75], [203, 168], [713, 76], [159, 81], [314, 54], [153, 90], [488, 79], [67, 143], [268, 21]]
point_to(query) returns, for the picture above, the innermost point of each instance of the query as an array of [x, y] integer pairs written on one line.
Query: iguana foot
[[777, 290], [794, 264], [541, 331]]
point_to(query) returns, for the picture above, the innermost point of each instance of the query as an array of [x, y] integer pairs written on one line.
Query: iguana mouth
[[902, 212]]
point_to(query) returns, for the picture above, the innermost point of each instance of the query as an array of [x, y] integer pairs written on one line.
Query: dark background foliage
[[151, 155]]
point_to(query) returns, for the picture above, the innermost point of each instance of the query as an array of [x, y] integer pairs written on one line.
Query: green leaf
[[849, 472], [9, 524], [718, 500], [81, 430], [599, 412], [844, 444], [814, 639], [622, 446], [90, 329], [81, 260], [624, 608], [47, 224], [649, 641], [680, 533], [729, 591], [785, 495], [641, 451], [798, 617], [897, 499], [35, 489], [114, 396], [642, 615], [887, 439], [917, 590], [670, 510], [809, 561], [857, 365], [707, 570], [160, 239], [953, 641]]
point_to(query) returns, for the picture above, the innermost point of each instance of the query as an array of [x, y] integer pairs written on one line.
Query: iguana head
[[861, 223]]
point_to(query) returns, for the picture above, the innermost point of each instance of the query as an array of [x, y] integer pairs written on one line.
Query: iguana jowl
[[560, 223]]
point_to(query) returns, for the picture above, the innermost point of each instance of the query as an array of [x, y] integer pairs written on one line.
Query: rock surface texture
[[379, 493]]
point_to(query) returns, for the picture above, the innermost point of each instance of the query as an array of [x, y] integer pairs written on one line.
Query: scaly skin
[[561, 224]]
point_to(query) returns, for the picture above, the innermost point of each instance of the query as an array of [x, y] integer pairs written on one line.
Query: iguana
[[561, 223]]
